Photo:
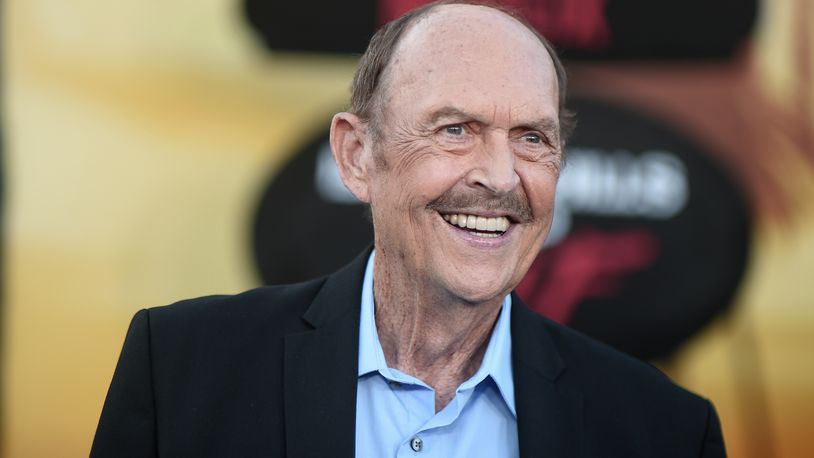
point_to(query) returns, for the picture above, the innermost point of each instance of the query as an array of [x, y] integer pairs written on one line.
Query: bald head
[[451, 31]]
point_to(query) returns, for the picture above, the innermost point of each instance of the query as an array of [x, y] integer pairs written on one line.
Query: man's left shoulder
[[628, 390], [594, 366], [627, 405]]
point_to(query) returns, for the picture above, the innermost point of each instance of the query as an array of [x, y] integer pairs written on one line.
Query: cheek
[[421, 179], [540, 184]]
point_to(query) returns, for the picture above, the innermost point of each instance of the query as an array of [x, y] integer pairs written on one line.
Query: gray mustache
[[515, 204]]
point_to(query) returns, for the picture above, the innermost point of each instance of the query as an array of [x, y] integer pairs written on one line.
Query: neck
[[427, 333]]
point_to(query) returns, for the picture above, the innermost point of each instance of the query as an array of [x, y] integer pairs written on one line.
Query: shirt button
[[417, 444], [395, 384]]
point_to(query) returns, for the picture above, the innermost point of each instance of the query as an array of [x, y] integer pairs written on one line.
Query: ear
[[348, 143]]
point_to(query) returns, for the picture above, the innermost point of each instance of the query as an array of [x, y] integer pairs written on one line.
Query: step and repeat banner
[[154, 151]]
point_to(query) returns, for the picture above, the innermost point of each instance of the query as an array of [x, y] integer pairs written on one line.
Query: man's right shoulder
[[275, 307]]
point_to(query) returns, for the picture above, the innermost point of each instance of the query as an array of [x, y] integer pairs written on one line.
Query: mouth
[[479, 226]]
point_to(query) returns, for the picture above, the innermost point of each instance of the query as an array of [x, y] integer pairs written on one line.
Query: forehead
[[472, 56]]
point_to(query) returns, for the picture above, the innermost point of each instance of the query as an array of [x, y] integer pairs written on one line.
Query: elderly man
[[417, 348]]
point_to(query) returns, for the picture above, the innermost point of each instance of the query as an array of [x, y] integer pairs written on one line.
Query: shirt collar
[[496, 361], [371, 355]]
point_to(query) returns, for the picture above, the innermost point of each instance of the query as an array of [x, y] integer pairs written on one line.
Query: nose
[[494, 167]]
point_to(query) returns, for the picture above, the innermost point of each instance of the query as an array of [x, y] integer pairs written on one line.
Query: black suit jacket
[[272, 372]]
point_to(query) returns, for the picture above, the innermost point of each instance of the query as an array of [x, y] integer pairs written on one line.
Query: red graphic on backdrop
[[588, 264], [575, 24]]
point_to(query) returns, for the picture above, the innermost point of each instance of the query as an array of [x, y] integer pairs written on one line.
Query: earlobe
[[348, 142]]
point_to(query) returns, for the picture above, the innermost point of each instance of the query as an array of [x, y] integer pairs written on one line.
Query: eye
[[454, 129], [458, 137], [533, 145]]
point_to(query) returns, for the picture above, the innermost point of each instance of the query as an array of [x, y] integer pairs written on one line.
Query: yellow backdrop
[[138, 135]]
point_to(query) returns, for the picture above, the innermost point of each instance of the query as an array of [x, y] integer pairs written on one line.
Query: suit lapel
[[321, 370], [549, 416]]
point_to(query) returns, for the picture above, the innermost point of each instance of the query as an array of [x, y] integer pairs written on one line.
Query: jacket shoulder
[[275, 308], [595, 362], [624, 396], [213, 365]]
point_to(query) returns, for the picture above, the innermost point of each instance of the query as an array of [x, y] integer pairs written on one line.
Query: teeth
[[491, 224], [479, 223]]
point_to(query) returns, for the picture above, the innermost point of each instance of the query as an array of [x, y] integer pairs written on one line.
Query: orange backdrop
[[139, 135]]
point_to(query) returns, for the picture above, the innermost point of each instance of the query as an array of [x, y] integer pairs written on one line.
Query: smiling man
[[417, 348]]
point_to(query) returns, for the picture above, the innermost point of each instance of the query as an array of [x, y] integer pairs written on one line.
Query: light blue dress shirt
[[395, 412]]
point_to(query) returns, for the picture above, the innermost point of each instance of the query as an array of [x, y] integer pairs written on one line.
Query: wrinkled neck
[[427, 332]]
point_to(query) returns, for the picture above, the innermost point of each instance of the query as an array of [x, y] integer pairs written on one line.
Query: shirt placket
[[423, 440]]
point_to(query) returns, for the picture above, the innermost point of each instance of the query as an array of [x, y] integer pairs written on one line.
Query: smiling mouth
[[480, 226]]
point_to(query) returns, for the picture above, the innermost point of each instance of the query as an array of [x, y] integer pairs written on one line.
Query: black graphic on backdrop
[[638, 29], [308, 224], [649, 243]]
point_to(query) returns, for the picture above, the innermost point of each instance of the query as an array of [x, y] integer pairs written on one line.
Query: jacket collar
[[320, 369], [549, 413]]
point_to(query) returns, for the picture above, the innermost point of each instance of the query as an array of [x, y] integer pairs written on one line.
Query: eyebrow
[[452, 112], [546, 125]]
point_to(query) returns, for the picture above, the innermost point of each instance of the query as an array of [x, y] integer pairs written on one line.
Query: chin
[[478, 292]]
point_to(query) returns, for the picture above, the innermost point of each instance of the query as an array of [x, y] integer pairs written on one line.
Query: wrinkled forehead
[[470, 49]]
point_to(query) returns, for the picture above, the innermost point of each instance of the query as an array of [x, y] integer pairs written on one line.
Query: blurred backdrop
[[154, 151]]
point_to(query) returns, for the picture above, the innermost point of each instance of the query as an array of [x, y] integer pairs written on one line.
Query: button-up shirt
[[395, 412]]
